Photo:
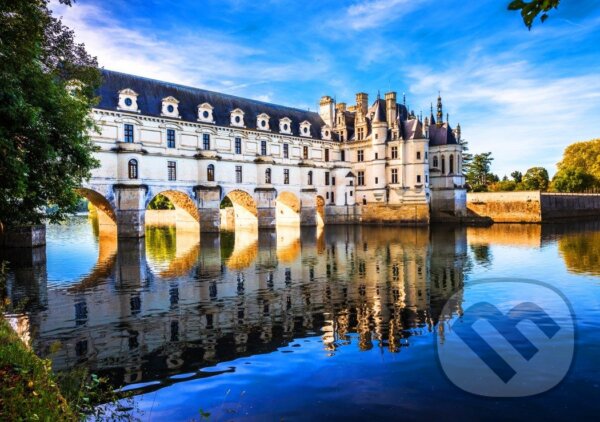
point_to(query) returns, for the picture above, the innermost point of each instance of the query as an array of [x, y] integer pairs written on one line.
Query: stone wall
[[161, 217], [532, 206], [386, 214], [506, 207]]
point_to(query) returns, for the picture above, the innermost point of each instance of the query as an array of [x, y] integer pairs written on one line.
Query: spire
[[440, 111], [448, 119], [431, 118], [458, 132], [404, 99]]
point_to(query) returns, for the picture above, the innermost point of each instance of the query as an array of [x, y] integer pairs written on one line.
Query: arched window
[[268, 176], [435, 161], [451, 164], [310, 181], [443, 165], [210, 173], [132, 168]]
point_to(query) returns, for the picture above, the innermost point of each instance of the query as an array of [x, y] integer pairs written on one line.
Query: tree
[[573, 180], [584, 156], [161, 202], [47, 85], [536, 178], [517, 176], [531, 9], [478, 171]]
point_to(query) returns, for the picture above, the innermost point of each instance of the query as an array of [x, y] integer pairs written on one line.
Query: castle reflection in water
[[174, 303]]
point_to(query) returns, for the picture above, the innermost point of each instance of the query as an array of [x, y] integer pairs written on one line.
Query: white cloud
[[376, 13], [205, 58], [517, 111]]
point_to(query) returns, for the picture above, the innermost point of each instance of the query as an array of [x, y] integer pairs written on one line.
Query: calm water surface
[[297, 325]]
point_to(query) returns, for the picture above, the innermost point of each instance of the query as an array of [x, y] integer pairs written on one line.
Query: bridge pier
[[266, 213], [209, 202], [130, 210], [308, 207]]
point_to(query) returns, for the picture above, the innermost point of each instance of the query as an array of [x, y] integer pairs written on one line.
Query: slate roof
[[441, 135], [151, 92]]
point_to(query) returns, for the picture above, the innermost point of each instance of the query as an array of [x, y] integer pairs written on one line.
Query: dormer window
[[326, 133], [128, 100], [170, 107], [205, 113], [305, 128], [262, 121], [237, 118], [285, 125]]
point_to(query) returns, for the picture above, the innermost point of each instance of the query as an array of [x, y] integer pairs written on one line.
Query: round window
[[305, 129], [128, 102], [170, 108], [285, 126], [237, 119], [263, 123], [205, 114]]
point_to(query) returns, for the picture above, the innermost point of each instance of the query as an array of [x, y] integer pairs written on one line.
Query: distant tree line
[[578, 171]]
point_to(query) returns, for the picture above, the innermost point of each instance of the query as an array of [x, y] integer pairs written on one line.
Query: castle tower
[[362, 102], [440, 111]]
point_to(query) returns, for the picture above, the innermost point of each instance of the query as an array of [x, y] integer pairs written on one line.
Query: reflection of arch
[[171, 252], [107, 256], [288, 243], [107, 219], [185, 214], [245, 249], [287, 209], [320, 211], [244, 211]]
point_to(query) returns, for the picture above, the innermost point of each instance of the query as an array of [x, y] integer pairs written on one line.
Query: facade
[[371, 163]]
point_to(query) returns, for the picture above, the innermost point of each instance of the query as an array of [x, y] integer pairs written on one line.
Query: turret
[[327, 110], [379, 124], [390, 108]]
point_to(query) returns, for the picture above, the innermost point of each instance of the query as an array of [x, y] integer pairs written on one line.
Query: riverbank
[[28, 388]]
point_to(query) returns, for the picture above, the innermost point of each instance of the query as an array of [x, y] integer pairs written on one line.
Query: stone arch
[[184, 216], [287, 209], [244, 214], [105, 211], [320, 211]]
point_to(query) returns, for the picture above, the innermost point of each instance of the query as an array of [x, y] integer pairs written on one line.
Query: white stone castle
[[370, 163]]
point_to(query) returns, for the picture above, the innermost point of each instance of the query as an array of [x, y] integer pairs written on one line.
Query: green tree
[[584, 156], [573, 180], [536, 178], [532, 9], [47, 85], [161, 202], [517, 176], [478, 172]]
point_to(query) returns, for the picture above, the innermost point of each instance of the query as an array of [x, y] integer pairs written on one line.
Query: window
[[210, 173], [435, 161], [238, 174], [361, 178], [268, 176], [343, 155], [263, 147], [170, 138], [333, 181], [286, 151], [360, 155], [394, 176], [305, 152], [451, 164], [332, 198], [443, 165], [426, 155], [327, 154], [376, 155], [360, 133], [286, 176], [426, 179], [326, 178], [238, 145], [133, 169], [172, 170], [394, 153], [418, 155], [310, 177], [206, 141], [418, 178], [376, 180], [128, 132]]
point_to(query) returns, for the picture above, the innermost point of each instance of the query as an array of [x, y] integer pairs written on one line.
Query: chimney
[[327, 110], [390, 108], [362, 102]]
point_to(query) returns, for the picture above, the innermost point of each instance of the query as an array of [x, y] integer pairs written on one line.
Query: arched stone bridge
[[122, 206]]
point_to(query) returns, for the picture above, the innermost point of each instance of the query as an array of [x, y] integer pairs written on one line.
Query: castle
[[370, 162]]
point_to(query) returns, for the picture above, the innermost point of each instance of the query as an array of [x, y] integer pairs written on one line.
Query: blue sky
[[524, 95]]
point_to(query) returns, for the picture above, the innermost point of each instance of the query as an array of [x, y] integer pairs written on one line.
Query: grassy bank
[[28, 389]]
